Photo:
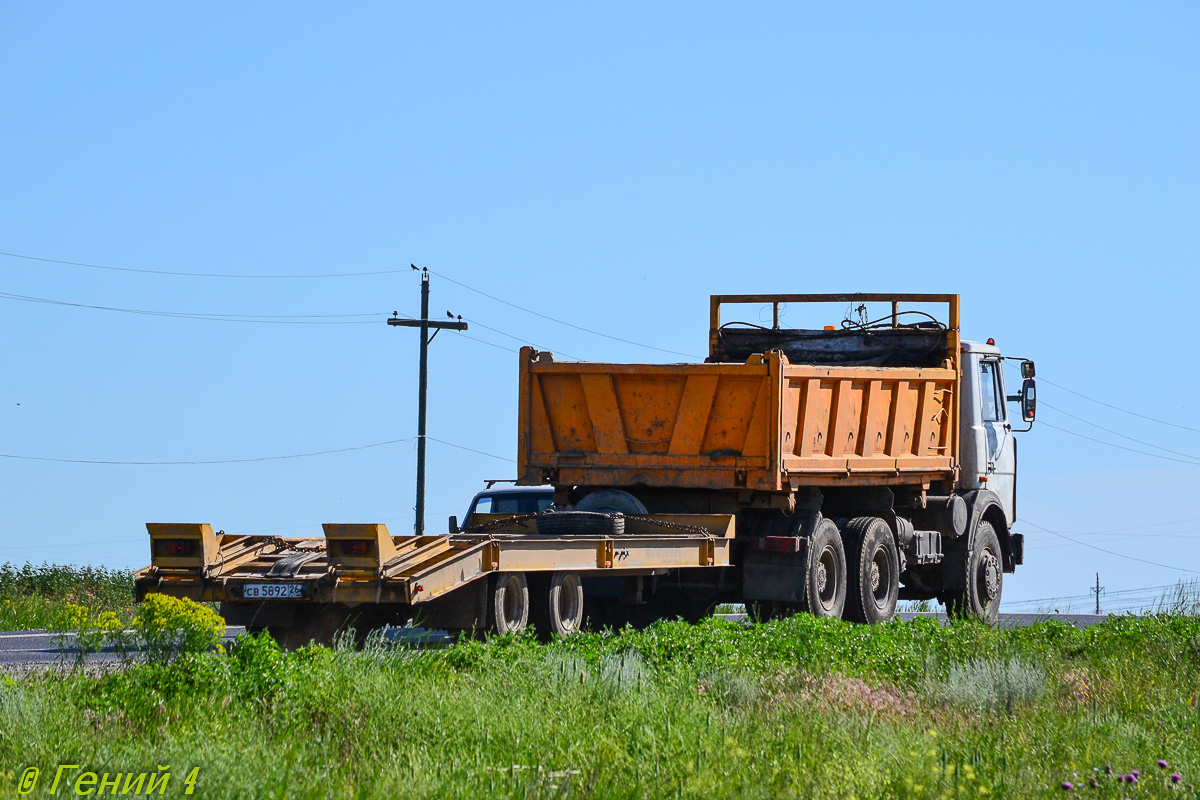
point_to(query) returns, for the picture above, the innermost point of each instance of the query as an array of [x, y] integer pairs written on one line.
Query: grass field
[[36, 596], [796, 708]]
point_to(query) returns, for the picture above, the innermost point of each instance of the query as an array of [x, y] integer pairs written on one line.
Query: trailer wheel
[[984, 579], [824, 592], [508, 603], [587, 523], [557, 604], [873, 565]]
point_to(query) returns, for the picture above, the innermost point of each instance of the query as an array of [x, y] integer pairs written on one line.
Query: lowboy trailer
[[498, 575]]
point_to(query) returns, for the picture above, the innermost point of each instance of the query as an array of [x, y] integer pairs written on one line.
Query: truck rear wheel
[[508, 603], [873, 565], [984, 578], [557, 605], [824, 592]]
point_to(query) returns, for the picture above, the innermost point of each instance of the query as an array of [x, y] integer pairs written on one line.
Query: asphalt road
[[33, 648]]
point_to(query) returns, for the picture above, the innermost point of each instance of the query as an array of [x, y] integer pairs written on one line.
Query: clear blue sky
[[611, 165]]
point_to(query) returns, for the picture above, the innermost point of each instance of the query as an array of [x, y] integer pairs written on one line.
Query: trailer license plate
[[260, 591]]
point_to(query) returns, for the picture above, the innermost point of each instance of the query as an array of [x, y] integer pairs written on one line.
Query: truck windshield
[[512, 504]]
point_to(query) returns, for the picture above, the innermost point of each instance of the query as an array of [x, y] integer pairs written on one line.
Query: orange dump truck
[[864, 462], [830, 469]]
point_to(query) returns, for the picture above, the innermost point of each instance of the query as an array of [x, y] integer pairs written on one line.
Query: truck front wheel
[[874, 571], [824, 592], [984, 578]]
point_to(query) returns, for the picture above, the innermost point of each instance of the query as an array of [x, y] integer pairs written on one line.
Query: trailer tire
[[984, 578], [557, 604], [580, 523], [873, 567], [824, 593], [508, 603]]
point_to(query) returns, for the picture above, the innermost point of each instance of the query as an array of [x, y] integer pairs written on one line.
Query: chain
[[484, 527], [284, 544], [669, 525], [695, 530]]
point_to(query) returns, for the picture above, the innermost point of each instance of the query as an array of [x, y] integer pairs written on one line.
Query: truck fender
[[984, 504]]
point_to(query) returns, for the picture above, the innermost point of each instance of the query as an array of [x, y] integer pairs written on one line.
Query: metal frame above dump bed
[[190, 560], [953, 335]]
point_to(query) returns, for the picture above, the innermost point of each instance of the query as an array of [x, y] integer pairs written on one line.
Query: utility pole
[[1097, 592], [424, 323]]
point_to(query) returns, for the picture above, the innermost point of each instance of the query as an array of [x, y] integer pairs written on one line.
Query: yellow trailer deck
[[359, 564]]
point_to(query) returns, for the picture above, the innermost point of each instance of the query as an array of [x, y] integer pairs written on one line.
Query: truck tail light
[[780, 544], [354, 547], [176, 547]]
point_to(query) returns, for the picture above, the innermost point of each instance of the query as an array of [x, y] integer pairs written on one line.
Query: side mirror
[[1028, 396], [454, 523], [1027, 370]]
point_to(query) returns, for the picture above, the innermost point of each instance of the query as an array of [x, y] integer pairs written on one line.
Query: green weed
[[796, 707], [36, 596]]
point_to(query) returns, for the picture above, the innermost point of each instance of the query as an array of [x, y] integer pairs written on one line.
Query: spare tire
[[613, 501], [580, 523]]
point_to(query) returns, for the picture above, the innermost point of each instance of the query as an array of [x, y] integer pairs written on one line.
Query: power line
[[1175, 536], [489, 344], [471, 450], [202, 274], [214, 461], [263, 319], [521, 339], [1118, 408], [475, 338], [1117, 433], [1111, 552], [1128, 598], [1137, 527], [559, 321], [247, 460], [1120, 447]]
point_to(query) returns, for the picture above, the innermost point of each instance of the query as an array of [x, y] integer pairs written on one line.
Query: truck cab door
[[1001, 465]]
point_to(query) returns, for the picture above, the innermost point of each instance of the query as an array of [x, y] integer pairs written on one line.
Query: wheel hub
[[822, 577], [989, 568], [874, 579]]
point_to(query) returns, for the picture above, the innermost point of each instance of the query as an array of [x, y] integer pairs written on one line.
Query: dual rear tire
[[852, 573], [873, 563], [824, 590], [553, 602]]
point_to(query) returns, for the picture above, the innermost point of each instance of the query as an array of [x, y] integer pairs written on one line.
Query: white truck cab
[[988, 448]]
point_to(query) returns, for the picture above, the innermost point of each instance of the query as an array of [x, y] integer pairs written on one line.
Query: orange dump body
[[762, 425]]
